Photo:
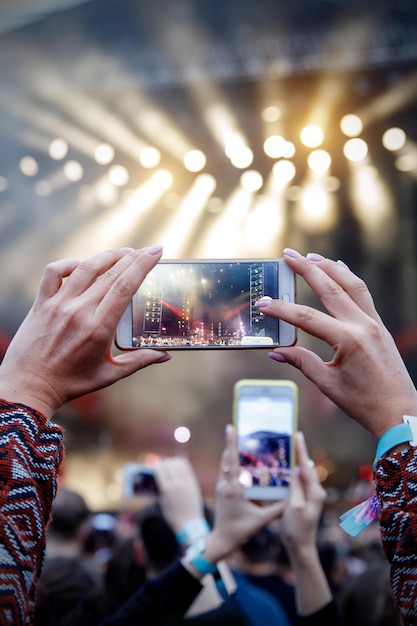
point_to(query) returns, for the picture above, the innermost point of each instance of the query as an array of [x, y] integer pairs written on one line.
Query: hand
[[236, 518], [180, 496], [299, 523], [367, 377], [63, 349]]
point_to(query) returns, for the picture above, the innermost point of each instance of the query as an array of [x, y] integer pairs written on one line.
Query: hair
[[69, 512], [159, 541], [264, 545], [367, 599], [65, 590]]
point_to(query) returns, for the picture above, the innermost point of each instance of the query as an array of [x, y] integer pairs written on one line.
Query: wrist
[[397, 438], [28, 393], [304, 555], [193, 532]]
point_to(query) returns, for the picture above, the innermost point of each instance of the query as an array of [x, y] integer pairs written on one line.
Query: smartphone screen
[[138, 480], [208, 304], [265, 419]]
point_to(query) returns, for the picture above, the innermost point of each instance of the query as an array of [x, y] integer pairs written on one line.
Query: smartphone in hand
[[208, 304], [265, 414], [138, 480]]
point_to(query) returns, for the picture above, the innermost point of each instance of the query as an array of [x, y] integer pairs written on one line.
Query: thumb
[[135, 360], [309, 363]]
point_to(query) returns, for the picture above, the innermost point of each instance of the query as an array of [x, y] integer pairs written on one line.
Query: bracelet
[[193, 531], [200, 563], [401, 433]]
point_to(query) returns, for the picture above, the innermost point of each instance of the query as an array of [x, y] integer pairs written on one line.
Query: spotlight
[[149, 157], [104, 153], [194, 160], [58, 149], [351, 125], [393, 139], [355, 149], [312, 136], [28, 166]]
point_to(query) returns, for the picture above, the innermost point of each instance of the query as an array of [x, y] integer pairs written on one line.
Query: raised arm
[[368, 380]]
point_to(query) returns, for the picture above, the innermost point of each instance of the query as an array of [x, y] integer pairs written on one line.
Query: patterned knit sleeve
[[31, 451], [395, 480]]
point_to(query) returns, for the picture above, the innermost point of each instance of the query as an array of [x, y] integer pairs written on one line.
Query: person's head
[[69, 513], [160, 545], [264, 546], [66, 587]]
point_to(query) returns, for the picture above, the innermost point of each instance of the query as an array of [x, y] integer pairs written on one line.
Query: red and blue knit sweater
[[395, 481], [31, 452]]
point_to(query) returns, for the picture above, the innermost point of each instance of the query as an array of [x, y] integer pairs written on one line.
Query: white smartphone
[[199, 304], [138, 480], [265, 414]]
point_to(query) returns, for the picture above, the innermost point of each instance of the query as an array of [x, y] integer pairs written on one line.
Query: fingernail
[[163, 359], [264, 301], [311, 463], [292, 253], [154, 249], [276, 356], [313, 256], [229, 429], [344, 264], [127, 249]]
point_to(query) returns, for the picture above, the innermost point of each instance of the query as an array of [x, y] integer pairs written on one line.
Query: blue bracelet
[[202, 565], [401, 433], [192, 531]]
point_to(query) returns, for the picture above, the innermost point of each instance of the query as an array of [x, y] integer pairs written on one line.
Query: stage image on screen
[[265, 427], [205, 304]]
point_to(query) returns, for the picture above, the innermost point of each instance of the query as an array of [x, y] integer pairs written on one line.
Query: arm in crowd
[[61, 351], [236, 520], [368, 380]]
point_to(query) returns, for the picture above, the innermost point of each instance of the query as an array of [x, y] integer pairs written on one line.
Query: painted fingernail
[[154, 249], [314, 256], [343, 264], [127, 249], [163, 359], [262, 302], [292, 253], [275, 356]]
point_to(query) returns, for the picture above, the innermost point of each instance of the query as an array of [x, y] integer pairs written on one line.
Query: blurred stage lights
[[118, 175], [351, 125], [149, 157], [240, 155], [355, 149], [406, 162], [182, 434], [394, 139], [251, 180], [283, 171], [73, 171], [312, 136], [43, 188], [319, 161], [242, 158], [58, 149], [274, 146], [28, 166], [104, 154], [194, 160], [271, 113]]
